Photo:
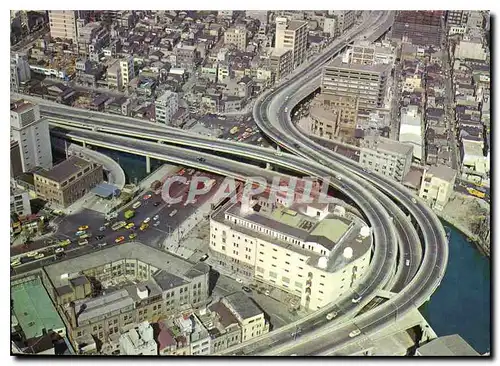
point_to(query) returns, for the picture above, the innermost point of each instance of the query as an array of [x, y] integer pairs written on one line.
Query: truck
[[476, 192], [234, 130], [129, 214]]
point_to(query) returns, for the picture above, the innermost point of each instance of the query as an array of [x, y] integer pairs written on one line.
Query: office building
[[346, 108], [138, 284], [421, 28], [437, 185], [19, 72], [292, 35], [20, 202], [387, 157], [68, 181], [475, 19], [471, 49], [166, 106], [127, 70], [304, 250], [281, 62], [91, 37], [345, 20], [330, 26], [63, 24], [368, 83], [223, 327], [114, 76], [16, 163], [32, 134], [138, 341], [367, 53], [237, 37]]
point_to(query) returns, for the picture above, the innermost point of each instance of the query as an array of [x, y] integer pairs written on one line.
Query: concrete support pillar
[[84, 144], [148, 165], [278, 149], [268, 166]]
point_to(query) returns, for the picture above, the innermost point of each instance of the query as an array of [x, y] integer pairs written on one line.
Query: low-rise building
[[166, 106], [20, 202], [223, 327], [437, 185], [138, 341], [281, 62], [68, 181], [237, 37], [388, 157]]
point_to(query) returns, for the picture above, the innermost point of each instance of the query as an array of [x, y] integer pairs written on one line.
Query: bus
[[118, 225], [476, 192]]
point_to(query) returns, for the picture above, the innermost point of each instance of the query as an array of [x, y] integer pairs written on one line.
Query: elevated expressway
[[313, 327]]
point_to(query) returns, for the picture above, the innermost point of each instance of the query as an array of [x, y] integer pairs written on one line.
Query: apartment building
[[185, 56], [31, 132], [330, 26], [437, 185], [368, 83], [138, 283], [418, 27], [281, 62], [68, 181], [346, 108], [166, 106], [387, 157], [114, 76], [345, 19], [223, 327], [250, 317], [127, 70], [237, 37], [20, 202], [19, 71], [91, 34], [292, 35], [63, 24], [410, 130], [456, 18], [306, 251]]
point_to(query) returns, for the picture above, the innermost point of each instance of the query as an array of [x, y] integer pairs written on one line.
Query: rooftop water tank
[[364, 232], [323, 262], [348, 253]]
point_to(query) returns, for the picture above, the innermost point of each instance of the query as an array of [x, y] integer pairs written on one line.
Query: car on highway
[[15, 262], [354, 333], [357, 299], [414, 200], [119, 239], [331, 315], [146, 197], [39, 256], [267, 293], [204, 258], [156, 204], [239, 280], [130, 225], [246, 289], [156, 217], [32, 254], [83, 227], [146, 220], [83, 242], [366, 170], [80, 233], [59, 250], [132, 236], [407, 262]]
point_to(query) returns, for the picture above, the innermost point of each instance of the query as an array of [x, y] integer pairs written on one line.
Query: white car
[[331, 315], [354, 333], [407, 262], [355, 300], [156, 217], [156, 223], [414, 200], [172, 213], [59, 250], [239, 281], [147, 219]]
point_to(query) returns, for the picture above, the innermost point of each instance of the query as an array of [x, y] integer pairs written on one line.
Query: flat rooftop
[[243, 305], [378, 68], [34, 309], [295, 24], [131, 251], [64, 170], [332, 232]]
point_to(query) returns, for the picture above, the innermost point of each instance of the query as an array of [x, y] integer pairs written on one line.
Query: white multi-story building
[[470, 49], [166, 106], [199, 338], [20, 202], [304, 250], [292, 35], [330, 26], [139, 341], [388, 157], [410, 131], [63, 24], [19, 71], [437, 185], [345, 19], [32, 134], [236, 36], [127, 70]]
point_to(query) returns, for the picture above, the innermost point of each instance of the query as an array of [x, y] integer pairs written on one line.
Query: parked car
[[119, 239], [204, 258], [156, 204], [246, 289]]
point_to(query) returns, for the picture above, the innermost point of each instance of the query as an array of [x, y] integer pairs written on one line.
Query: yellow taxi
[[130, 225], [83, 228], [132, 236], [144, 227]]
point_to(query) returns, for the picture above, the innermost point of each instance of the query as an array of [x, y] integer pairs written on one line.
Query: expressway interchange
[[375, 203]]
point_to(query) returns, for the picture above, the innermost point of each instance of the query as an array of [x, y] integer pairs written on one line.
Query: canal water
[[461, 304]]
